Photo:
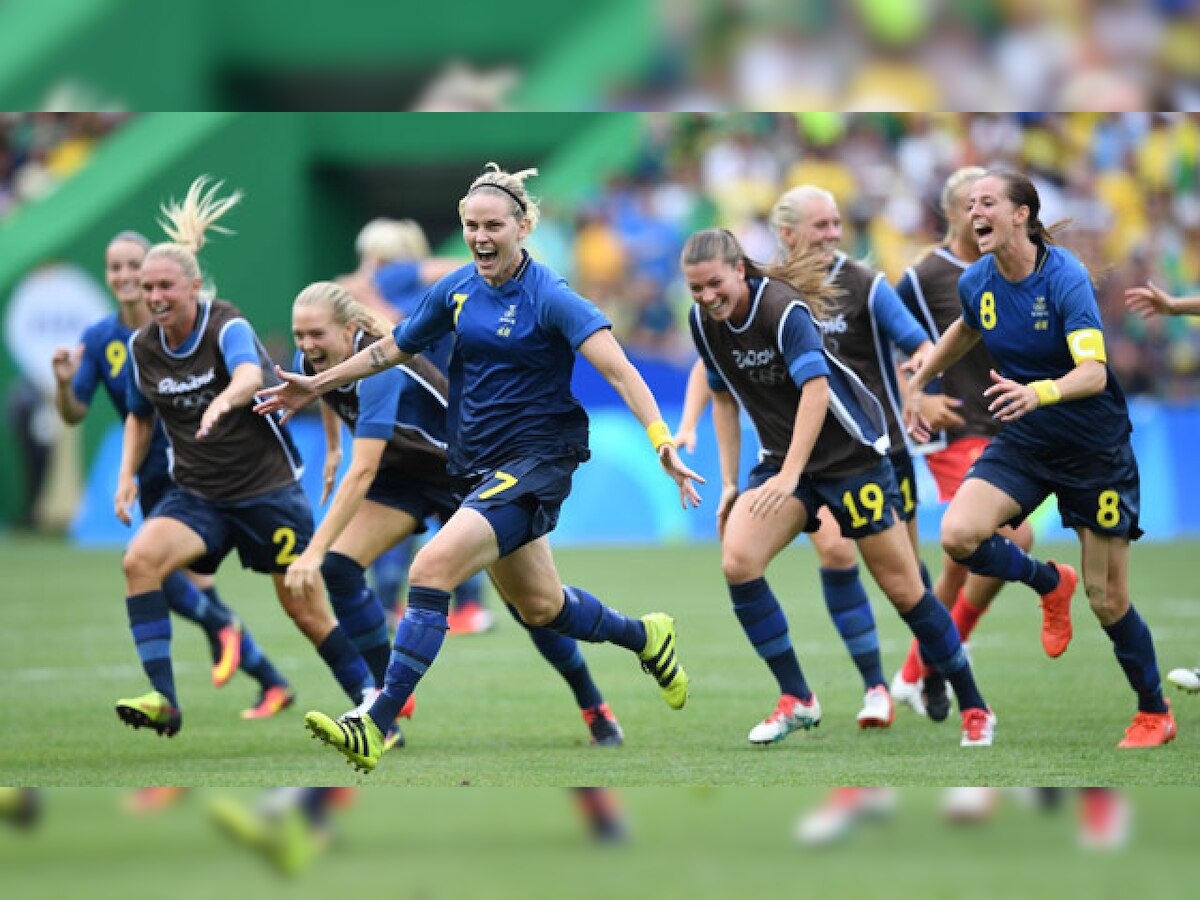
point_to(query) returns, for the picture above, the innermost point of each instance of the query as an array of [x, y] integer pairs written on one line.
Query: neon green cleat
[[286, 840], [152, 710], [658, 659], [355, 734]]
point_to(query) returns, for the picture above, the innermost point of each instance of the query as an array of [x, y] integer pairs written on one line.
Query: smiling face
[[818, 230], [719, 288], [493, 234], [171, 296], [122, 270], [323, 342], [993, 217]]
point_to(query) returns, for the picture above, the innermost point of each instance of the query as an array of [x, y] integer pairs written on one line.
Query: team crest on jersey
[[507, 321], [1040, 313]]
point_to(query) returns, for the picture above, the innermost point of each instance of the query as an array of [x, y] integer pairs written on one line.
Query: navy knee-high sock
[[150, 624], [358, 611], [940, 647], [850, 610], [585, 618], [998, 557], [346, 664], [419, 637], [1134, 648], [564, 654], [766, 626], [187, 600]]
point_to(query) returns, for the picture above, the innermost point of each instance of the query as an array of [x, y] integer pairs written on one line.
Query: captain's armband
[[1087, 343]]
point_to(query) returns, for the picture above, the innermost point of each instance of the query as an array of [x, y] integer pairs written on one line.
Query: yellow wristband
[[1047, 391], [659, 434]]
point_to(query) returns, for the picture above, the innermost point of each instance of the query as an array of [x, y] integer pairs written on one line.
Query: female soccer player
[[516, 434], [197, 365], [1149, 301], [863, 318], [958, 411], [397, 479], [101, 359], [1067, 431], [823, 437]]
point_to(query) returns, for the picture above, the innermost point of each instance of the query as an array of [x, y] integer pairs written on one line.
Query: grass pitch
[[492, 713]]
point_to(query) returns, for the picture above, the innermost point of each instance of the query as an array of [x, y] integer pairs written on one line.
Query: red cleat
[[1056, 612], [1150, 730], [274, 700]]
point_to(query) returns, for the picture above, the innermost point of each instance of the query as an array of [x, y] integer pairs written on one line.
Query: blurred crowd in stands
[[923, 54], [1130, 183], [39, 150]]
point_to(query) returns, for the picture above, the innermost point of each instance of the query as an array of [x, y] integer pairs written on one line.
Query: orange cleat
[[274, 699], [1056, 612], [410, 705], [1150, 730], [230, 640]]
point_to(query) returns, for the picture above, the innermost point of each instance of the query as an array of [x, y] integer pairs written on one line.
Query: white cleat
[[1188, 679], [878, 710], [790, 713], [908, 693]]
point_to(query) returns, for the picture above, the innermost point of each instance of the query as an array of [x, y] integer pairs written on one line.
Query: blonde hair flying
[[186, 223]]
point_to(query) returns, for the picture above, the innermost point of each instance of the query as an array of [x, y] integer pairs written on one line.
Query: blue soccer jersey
[[510, 375], [105, 362], [1028, 328], [400, 284]]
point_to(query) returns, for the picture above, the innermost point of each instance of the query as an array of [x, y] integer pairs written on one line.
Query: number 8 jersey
[[1043, 327]]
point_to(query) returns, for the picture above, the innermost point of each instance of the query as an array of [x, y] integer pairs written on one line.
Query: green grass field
[[429, 844], [491, 713]]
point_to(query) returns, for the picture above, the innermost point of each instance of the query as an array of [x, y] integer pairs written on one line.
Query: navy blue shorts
[[521, 499], [151, 489], [906, 484], [1097, 489], [419, 499], [268, 531], [862, 504]]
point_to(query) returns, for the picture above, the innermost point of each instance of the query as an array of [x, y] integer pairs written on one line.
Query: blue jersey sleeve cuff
[[808, 366], [381, 430]]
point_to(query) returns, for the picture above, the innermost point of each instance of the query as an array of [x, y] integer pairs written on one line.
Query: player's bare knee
[[538, 612], [959, 538], [740, 567], [140, 567], [839, 555]]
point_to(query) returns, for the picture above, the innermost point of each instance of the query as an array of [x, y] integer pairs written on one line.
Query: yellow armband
[[1087, 343], [659, 434], [1047, 391]]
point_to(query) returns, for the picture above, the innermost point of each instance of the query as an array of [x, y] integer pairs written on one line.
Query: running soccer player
[[824, 444], [197, 366], [1148, 301], [516, 434], [957, 412], [397, 479], [101, 359], [1066, 432]]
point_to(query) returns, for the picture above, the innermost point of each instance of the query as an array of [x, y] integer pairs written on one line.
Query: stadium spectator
[[1067, 433], [515, 425]]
